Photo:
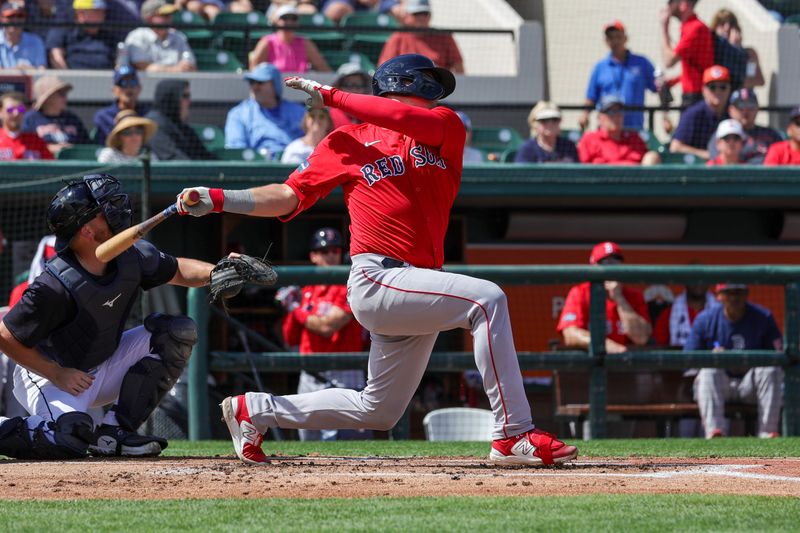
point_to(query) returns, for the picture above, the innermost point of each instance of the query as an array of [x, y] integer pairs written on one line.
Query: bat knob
[[192, 197]]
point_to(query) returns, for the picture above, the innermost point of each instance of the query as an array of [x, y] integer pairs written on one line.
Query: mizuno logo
[[108, 441], [370, 143], [110, 303]]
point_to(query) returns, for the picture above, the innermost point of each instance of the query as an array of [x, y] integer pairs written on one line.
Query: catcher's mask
[[79, 202], [415, 75]]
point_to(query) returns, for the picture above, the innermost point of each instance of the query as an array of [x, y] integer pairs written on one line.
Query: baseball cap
[[349, 69], [603, 250], [266, 72], [417, 6], [607, 101], [794, 113], [13, 8], [126, 72], [544, 110], [729, 286], [88, 4], [730, 127], [716, 73], [743, 98], [157, 7], [285, 9], [614, 25]]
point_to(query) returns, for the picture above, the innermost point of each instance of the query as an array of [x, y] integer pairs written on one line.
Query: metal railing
[[595, 360]]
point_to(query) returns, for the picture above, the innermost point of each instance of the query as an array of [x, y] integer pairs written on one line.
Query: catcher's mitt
[[230, 274]]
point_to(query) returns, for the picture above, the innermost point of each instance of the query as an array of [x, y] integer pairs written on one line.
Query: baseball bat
[[125, 239]]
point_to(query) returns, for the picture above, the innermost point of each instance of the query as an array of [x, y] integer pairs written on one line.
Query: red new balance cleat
[[246, 438], [535, 448]]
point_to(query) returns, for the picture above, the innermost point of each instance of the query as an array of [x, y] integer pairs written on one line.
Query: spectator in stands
[[787, 152], [336, 10], [622, 73], [209, 9], [627, 322], [441, 48], [264, 122], [674, 324], [84, 47], [175, 138], [350, 78], [743, 108], [14, 143], [126, 90], [128, 139], [737, 324], [546, 144], [730, 138], [699, 122], [285, 49], [695, 49], [19, 49], [319, 319], [726, 26], [41, 14], [316, 125], [472, 155], [611, 143], [159, 49], [50, 119]]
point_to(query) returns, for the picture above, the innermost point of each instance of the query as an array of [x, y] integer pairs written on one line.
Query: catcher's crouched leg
[[66, 438], [145, 385]]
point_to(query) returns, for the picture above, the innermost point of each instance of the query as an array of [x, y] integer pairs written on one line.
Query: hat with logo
[[604, 250], [730, 127], [543, 111], [730, 287], [413, 7], [794, 113], [126, 75], [45, 87], [88, 4], [743, 98], [607, 101], [614, 25], [151, 8], [716, 73]]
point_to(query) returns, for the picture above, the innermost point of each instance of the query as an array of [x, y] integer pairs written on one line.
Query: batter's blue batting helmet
[[415, 75], [79, 202], [326, 238]]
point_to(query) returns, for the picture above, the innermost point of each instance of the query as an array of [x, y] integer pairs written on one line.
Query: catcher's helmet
[[79, 202], [326, 238], [415, 75]]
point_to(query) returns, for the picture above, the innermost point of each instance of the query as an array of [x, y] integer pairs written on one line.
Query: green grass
[[585, 513], [728, 447]]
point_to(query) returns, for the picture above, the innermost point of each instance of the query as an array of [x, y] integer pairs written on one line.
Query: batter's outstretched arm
[[69, 380], [271, 200]]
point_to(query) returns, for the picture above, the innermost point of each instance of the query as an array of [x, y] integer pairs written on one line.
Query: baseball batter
[[400, 170], [67, 335]]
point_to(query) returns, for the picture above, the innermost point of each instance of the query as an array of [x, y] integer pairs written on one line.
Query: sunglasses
[[614, 111], [718, 87], [128, 83], [423, 14], [610, 260], [136, 130], [20, 109], [290, 18]]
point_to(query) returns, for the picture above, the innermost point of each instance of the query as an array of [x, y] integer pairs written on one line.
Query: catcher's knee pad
[[70, 437], [172, 337], [15, 440]]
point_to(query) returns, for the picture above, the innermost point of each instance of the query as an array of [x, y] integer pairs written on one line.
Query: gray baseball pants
[[405, 308]]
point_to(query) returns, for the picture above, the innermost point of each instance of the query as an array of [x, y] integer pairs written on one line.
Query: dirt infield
[[328, 477]]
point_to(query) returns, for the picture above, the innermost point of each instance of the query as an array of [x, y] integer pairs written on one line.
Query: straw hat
[[45, 87], [128, 119]]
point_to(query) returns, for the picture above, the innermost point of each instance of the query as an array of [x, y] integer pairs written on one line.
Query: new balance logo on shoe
[[523, 447], [249, 432]]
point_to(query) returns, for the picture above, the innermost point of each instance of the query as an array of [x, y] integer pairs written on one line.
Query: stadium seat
[[198, 37], [494, 138], [337, 58], [459, 424], [508, 155], [794, 19], [369, 43], [82, 152], [239, 41], [213, 137], [669, 158], [217, 61], [238, 154], [327, 38], [650, 139]]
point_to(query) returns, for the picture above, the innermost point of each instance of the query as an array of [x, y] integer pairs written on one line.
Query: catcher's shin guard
[[150, 379]]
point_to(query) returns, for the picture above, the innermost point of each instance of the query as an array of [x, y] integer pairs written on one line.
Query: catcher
[[67, 334]]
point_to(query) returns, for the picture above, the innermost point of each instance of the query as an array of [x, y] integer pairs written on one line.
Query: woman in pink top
[[287, 51]]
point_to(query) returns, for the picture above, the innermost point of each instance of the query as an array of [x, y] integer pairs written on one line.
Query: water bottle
[[123, 59]]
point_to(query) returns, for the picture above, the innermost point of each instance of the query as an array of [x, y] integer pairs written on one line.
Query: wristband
[[217, 199], [237, 201]]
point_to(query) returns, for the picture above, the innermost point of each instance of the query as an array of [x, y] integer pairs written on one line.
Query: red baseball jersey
[[696, 49], [576, 311], [400, 170], [24, 145], [318, 300], [598, 148], [661, 331], [782, 153]]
